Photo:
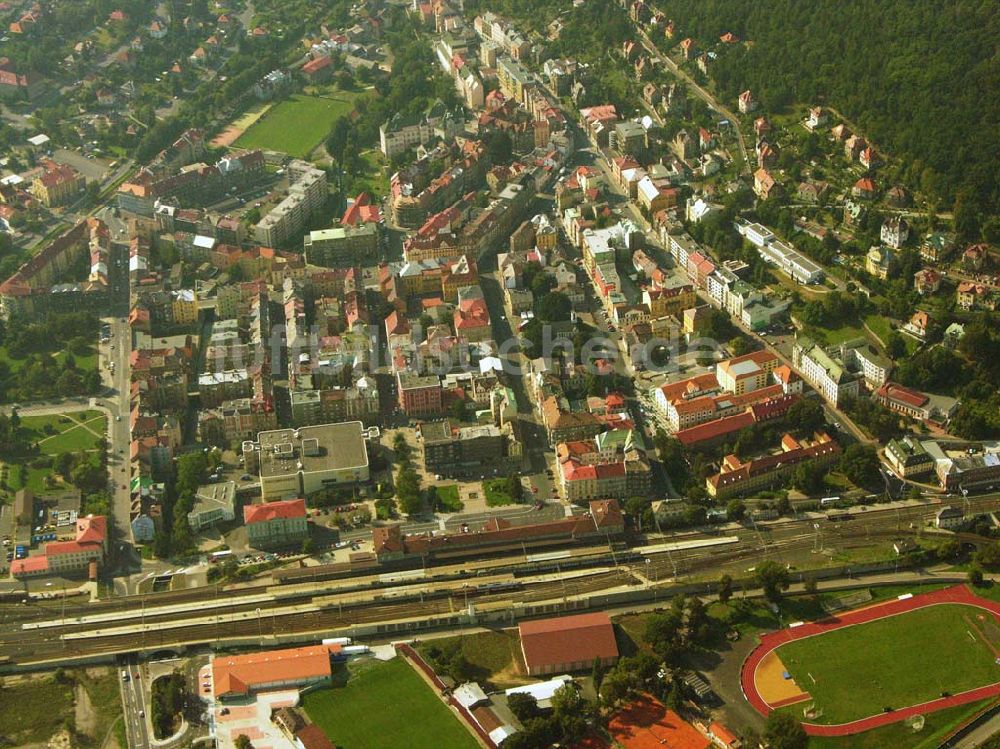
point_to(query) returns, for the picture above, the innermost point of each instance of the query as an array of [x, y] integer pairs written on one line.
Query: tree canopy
[[910, 75]]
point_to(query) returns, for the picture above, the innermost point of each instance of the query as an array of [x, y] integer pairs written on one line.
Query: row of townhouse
[[612, 464], [37, 287]]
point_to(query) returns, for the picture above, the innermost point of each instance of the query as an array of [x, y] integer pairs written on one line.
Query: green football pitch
[[898, 661], [386, 705]]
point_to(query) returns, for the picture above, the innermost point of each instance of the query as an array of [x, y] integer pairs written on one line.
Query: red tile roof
[[288, 508], [714, 429], [316, 64], [312, 737], [568, 639], [21, 567], [895, 392]]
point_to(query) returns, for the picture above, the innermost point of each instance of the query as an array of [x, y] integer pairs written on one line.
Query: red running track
[[771, 641]]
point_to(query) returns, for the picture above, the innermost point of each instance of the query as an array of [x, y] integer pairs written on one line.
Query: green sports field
[[382, 702], [902, 660], [298, 124]]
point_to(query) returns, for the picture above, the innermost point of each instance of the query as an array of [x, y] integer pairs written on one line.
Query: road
[[702, 93], [116, 351], [134, 704]]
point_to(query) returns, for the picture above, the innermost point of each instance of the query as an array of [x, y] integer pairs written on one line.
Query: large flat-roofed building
[[213, 503], [456, 451], [568, 643], [794, 263], [299, 462], [747, 373], [341, 246], [239, 676]]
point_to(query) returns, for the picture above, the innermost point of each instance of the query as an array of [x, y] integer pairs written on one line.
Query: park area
[[298, 124], [881, 664], [381, 702], [69, 447], [69, 432]]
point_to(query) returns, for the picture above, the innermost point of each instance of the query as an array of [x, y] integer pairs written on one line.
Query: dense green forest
[[918, 77]]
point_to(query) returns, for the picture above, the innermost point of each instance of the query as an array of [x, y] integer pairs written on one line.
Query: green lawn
[[937, 726], [298, 124], [382, 702], [834, 336], [902, 660], [83, 363], [448, 499], [374, 180], [66, 433], [882, 328], [55, 434], [495, 491]]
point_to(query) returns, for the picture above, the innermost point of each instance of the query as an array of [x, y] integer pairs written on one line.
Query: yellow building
[[58, 184], [184, 307], [878, 261]]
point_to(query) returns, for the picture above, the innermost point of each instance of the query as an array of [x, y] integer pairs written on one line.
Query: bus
[[828, 501], [220, 556]]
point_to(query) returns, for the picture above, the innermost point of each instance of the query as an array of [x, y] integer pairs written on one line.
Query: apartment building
[[451, 450], [342, 246], [58, 184], [276, 524], [419, 395], [827, 374], [744, 374], [738, 477], [307, 192]]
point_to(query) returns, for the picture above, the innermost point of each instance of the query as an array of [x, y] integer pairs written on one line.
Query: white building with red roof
[[275, 524], [70, 556]]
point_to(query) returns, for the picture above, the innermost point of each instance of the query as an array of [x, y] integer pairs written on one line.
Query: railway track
[[325, 605]]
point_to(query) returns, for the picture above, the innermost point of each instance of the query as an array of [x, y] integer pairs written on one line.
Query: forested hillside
[[919, 77]]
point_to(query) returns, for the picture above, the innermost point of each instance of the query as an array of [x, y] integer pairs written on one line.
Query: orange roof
[[647, 724], [240, 674], [785, 374], [723, 734], [288, 508], [676, 390]]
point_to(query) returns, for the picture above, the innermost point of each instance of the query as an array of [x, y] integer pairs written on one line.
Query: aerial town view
[[501, 374]]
